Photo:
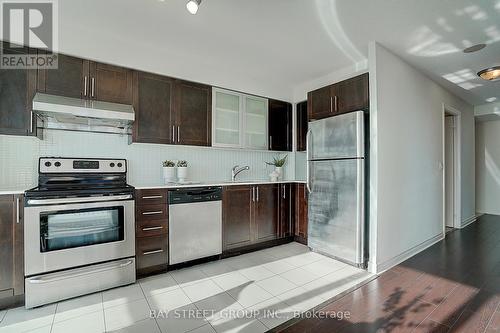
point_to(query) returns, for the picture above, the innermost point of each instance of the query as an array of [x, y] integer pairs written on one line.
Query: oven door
[[70, 235]]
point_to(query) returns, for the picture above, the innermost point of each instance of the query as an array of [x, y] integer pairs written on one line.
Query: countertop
[[12, 191], [216, 183]]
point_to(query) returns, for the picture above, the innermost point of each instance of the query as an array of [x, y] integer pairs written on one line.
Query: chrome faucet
[[236, 170]]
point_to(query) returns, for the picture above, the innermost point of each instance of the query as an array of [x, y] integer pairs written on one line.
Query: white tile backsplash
[[19, 158]]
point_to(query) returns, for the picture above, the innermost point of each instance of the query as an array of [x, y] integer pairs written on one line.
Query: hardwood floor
[[453, 286]]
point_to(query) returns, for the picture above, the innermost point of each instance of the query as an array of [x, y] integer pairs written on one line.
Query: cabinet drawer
[[150, 196], [145, 228], [151, 212], [151, 251]]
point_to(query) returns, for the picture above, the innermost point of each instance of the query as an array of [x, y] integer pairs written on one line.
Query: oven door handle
[[78, 200], [84, 271]]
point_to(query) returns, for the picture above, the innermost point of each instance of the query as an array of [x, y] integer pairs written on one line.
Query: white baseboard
[[470, 220], [381, 267]]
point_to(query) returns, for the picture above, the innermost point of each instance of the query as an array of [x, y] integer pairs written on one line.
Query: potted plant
[[278, 163], [169, 171], [182, 170]]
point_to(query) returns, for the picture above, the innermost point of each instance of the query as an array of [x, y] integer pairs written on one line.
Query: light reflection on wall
[[463, 79]]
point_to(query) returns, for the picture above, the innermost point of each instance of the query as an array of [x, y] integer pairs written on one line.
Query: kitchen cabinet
[[151, 230], [302, 126], [17, 88], [280, 125], [342, 97], [251, 215], [193, 113], [11, 247], [286, 209], [153, 103], [239, 120], [301, 213], [81, 78]]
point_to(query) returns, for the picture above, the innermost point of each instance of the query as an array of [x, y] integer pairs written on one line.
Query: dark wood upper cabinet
[[70, 79], [110, 83], [17, 88], [346, 96], [237, 216], [153, 102], [280, 125], [193, 113], [266, 216], [301, 213], [286, 227], [301, 126], [11, 246]]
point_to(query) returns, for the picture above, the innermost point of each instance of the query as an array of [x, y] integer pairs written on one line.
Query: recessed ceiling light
[[490, 74], [192, 6], [474, 48]]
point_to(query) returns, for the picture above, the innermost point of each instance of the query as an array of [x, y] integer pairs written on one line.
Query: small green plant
[[168, 164], [277, 161], [182, 164]]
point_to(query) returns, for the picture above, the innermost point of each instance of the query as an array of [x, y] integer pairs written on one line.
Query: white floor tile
[[239, 325], [324, 266], [158, 284], [218, 307], [87, 323], [168, 301], [79, 306], [240, 262], [2, 314], [187, 276], [143, 326], [250, 294], [273, 312], [45, 329], [204, 329], [278, 266], [125, 315], [182, 320], [299, 276], [122, 295], [300, 299], [202, 290], [20, 319], [276, 285], [230, 280], [256, 273], [303, 259], [214, 269]]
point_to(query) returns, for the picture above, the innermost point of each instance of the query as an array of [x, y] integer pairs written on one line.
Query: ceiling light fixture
[[490, 74], [474, 48], [192, 6]]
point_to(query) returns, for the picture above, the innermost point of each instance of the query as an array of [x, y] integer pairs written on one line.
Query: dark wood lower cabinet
[[151, 231], [287, 206], [11, 249], [237, 216], [301, 213], [266, 216]]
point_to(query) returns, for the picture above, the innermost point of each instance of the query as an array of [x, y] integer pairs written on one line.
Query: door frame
[[457, 181]]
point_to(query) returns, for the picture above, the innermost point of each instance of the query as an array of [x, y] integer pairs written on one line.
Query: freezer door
[[337, 137], [336, 209]]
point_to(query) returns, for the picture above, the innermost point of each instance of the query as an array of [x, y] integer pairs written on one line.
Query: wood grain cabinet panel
[[301, 213], [110, 83], [286, 207], [151, 253], [320, 103], [193, 113], [266, 217], [353, 94], [302, 126], [280, 125], [237, 216]]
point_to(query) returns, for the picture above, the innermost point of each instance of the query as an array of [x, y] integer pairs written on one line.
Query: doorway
[[451, 168]]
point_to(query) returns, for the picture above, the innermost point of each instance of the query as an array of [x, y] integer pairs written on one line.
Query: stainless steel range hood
[[74, 114]]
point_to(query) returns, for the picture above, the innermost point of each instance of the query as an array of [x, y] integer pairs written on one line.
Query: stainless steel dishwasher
[[195, 223]]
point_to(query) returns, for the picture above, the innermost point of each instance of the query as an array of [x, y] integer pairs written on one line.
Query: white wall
[[19, 158], [406, 148], [488, 167]]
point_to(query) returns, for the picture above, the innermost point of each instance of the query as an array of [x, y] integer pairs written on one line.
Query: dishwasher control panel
[[194, 194]]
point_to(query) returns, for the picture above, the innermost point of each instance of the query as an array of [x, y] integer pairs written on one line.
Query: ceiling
[[268, 47]]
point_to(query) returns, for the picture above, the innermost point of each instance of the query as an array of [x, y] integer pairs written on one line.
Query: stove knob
[[48, 164], [112, 164], [57, 164], [120, 165]]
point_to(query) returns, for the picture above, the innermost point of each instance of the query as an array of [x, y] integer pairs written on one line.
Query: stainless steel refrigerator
[[336, 185]]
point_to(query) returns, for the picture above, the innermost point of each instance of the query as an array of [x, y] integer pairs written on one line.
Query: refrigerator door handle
[[308, 154]]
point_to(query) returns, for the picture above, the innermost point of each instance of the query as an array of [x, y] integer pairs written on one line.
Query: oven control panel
[[81, 165]]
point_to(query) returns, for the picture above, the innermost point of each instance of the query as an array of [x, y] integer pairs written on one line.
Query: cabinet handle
[[173, 134], [253, 194], [331, 104], [152, 252], [18, 219], [270, 142], [153, 197], [31, 121], [178, 134], [257, 193], [92, 87], [85, 84], [152, 228], [153, 213], [336, 103], [284, 191]]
